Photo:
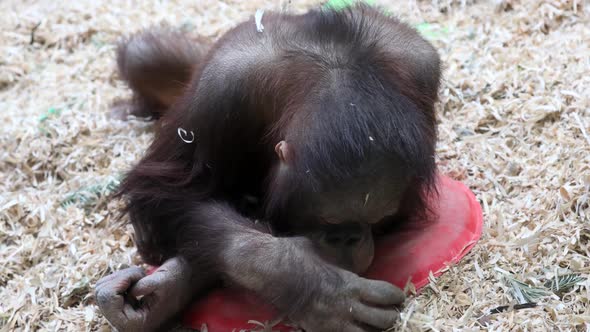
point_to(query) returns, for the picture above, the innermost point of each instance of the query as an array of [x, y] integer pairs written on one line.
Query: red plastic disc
[[400, 257]]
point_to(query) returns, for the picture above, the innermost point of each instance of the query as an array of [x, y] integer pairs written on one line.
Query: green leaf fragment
[[564, 283], [50, 112], [525, 293], [88, 196], [341, 4], [431, 31]]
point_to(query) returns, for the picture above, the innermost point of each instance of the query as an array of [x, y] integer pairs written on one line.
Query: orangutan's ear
[[282, 150]]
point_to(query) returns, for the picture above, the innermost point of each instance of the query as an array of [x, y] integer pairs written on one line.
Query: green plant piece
[[88, 196], [50, 112], [341, 4], [562, 284], [430, 31], [525, 293]]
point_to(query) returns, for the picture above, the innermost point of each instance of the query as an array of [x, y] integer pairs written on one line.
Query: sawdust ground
[[514, 126]]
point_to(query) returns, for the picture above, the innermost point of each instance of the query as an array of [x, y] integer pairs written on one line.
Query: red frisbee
[[399, 258]]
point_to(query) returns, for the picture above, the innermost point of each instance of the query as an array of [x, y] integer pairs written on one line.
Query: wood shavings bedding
[[514, 125]]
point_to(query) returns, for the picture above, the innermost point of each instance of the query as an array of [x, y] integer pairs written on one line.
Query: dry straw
[[514, 126]]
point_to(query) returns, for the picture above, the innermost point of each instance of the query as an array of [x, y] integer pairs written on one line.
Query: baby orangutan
[[280, 154]]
